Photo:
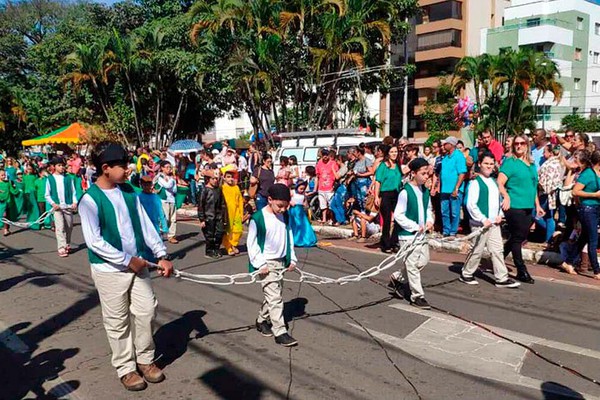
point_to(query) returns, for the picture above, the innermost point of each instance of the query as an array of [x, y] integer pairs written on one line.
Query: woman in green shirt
[[518, 182], [587, 189], [388, 178]]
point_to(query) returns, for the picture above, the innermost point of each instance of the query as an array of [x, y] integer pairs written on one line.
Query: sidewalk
[[542, 264]]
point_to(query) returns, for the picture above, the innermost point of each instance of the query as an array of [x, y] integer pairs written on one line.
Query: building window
[[577, 54], [597, 29], [533, 22], [596, 57], [438, 40], [577, 84], [441, 11], [595, 86], [543, 113], [579, 23]]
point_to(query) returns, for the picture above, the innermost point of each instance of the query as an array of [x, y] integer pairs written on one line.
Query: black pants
[[519, 221], [213, 235], [387, 207]]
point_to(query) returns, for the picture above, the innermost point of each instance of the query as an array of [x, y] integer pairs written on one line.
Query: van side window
[[292, 152], [310, 154]]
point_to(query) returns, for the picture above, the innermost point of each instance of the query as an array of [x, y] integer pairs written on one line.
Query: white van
[[306, 145]]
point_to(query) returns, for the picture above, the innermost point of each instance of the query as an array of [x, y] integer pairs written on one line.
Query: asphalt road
[[53, 344]]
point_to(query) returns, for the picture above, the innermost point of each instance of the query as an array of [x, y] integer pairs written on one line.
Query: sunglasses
[[520, 143], [569, 136]]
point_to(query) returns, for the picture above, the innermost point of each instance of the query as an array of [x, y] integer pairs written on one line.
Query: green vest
[[483, 202], [261, 233], [68, 182], [109, 227], [161, 191], [412, 207]]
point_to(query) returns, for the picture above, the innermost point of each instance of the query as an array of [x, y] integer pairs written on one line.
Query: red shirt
[[496, 148], [326, 175]]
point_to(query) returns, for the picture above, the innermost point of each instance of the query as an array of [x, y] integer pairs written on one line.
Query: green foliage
[[580, 124], [504, 84], [438, 115], [433, 137]]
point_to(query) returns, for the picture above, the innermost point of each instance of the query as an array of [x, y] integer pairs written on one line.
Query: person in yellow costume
[[235, 210]]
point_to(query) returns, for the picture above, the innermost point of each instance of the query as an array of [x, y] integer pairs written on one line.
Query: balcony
[[427, 83], [540, 30], [439, 39]]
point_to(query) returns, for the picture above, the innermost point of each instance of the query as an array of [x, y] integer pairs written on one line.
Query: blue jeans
[[547, 221], [193, 190], [588, 216], [337, 204], [450, 212], [362, 189], [261, 202]]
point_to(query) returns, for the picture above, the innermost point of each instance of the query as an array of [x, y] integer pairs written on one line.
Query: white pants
[[272, 305], [171, 217], [410, 269], [128, 308], [492, 239], [63, 227]]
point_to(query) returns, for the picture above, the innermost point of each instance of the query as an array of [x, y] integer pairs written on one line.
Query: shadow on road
[[556, 391], [20, 373], [230, 383], [8, 253], [172, 338], [37, 278], [294, 308]]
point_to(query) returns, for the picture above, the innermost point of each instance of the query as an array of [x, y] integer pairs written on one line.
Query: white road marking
[[453, 344], [12, 342]]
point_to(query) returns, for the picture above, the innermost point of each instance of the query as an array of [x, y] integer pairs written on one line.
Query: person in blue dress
[[304, 235]]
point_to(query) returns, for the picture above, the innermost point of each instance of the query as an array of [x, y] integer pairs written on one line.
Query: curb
[[538, 257]]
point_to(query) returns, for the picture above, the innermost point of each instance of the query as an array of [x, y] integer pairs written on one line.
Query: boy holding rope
[[60, 194], [271, 250], [483, 204], [414, 214], [117, 230]]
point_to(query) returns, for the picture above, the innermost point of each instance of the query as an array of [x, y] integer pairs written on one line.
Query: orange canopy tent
[[67, 134]]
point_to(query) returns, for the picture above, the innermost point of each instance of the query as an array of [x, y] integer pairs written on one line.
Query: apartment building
[[568, 31], [447, 31]]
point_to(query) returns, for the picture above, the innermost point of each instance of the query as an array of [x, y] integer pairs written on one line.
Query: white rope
[[28, 225], [313, 279]]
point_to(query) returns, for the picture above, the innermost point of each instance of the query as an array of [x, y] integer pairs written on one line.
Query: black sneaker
[[211, 255], [469, 280], [264, 328], [421, 303], [394, 284], [286, 340], [508, 283], [525, 277]]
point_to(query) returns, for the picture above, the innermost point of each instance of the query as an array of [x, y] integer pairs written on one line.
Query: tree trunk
[[134, 109], [178, 112]]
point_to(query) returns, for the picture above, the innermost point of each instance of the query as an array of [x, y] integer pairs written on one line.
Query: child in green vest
[[271, 250], [484, 206], [117, 231], [60, 194], [166, 186], [40, 196], [7, 191], [414, 214]]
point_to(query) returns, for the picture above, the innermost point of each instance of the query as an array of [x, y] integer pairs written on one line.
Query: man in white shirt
[[483, 204], [271, 250], [117, 230], [60, 194]]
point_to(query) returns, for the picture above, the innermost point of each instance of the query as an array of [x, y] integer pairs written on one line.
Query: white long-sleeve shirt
[[493, 201], [170, 185], [117, 260], [60, 189], [400, 211], [274, 241]]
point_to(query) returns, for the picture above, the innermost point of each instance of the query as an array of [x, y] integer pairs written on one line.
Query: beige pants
[[128, 308], [171, 217], [410, 269], [63, 227], [492, 239], [272, 305]]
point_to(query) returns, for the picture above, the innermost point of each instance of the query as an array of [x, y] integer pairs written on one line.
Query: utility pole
[[405, 101]]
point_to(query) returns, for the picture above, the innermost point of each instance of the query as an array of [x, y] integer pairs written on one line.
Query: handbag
[[565, 195], [253, 189]]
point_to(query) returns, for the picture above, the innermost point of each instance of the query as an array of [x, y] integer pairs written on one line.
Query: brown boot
[[133, 382], [151, 373]]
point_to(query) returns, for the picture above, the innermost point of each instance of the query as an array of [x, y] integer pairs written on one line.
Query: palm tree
[[122, 56], [475, 70], [86, 64]]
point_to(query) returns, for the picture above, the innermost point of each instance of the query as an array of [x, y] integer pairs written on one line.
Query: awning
[[67, 134]]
